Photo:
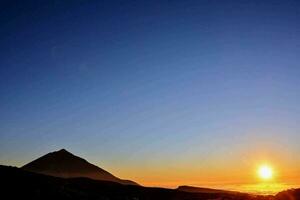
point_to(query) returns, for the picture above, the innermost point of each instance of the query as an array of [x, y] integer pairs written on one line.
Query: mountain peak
[[64, 164], [63, 150]]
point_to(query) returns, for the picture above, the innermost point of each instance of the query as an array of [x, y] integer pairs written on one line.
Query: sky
[[161, 92]]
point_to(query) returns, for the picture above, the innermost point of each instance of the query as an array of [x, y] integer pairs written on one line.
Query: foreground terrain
[[20, 184]]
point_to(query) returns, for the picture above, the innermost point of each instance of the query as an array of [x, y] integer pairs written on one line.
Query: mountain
[[20, 184], [66, 165]]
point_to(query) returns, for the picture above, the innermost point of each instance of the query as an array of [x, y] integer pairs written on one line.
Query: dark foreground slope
[[19, 184], [293, 194], [67, 165]]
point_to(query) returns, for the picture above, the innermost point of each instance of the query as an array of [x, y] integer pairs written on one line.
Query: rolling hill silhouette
[[186, 188], [66, 165]]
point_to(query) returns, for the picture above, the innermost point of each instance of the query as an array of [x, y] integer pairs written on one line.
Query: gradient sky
[[161, 92]]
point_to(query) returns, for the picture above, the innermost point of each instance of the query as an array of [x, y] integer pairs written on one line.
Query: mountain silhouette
[[66, 165]]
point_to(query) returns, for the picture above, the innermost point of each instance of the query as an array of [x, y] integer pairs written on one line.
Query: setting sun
[[265, 172]]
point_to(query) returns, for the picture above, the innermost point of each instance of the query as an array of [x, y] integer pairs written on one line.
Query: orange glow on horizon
[[254, 175]]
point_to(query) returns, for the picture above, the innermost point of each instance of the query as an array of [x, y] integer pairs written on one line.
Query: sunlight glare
[[265, 172]]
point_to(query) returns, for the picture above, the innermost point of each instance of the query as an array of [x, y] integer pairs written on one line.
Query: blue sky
[[130, 84]]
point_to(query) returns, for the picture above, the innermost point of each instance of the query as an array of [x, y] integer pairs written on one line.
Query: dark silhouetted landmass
[[20, 184], [66, 165], [292, 194]]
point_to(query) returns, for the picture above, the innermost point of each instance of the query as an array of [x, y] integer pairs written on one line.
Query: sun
[[265, 172]]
